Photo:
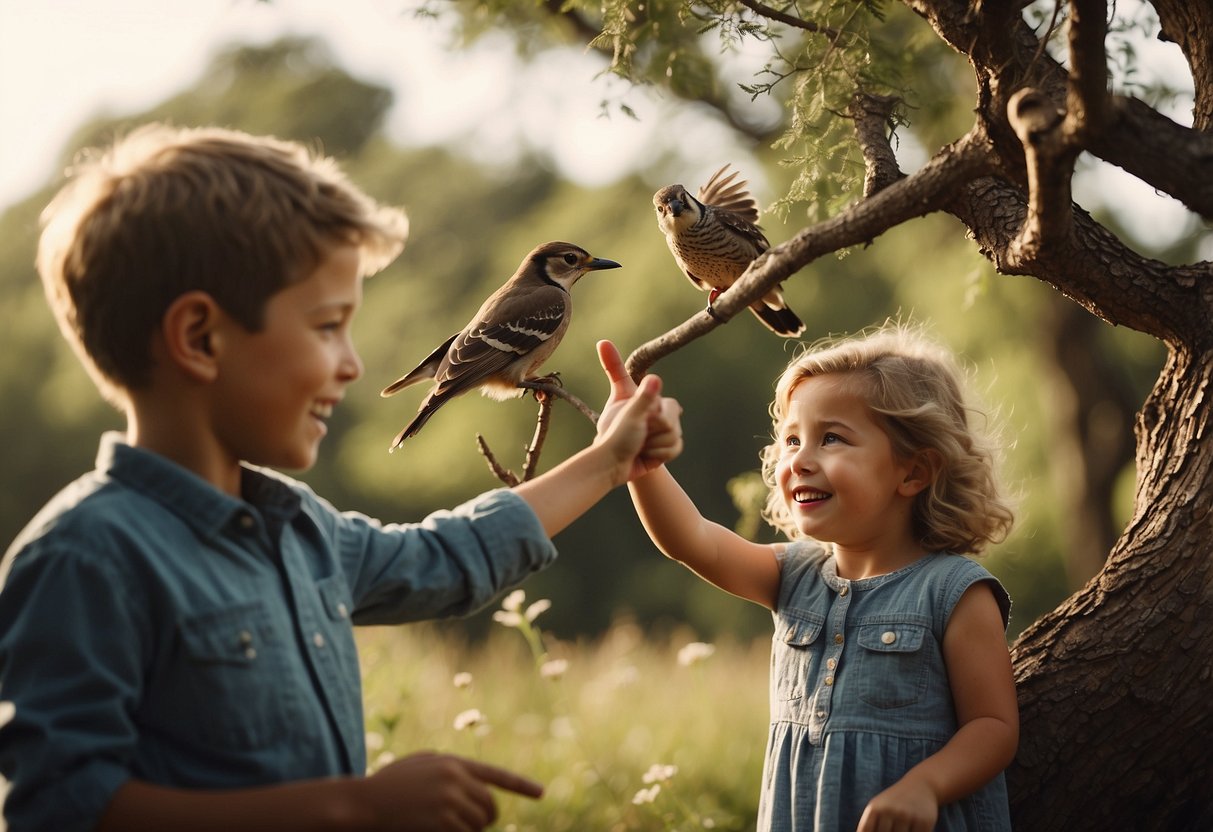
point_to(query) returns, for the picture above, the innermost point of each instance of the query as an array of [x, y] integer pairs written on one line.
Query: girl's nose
[[805, 459]]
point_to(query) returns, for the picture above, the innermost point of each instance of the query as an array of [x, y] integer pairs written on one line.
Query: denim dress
[[859, 691]]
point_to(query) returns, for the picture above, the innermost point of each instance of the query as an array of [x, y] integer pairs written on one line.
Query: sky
[[64, 61]]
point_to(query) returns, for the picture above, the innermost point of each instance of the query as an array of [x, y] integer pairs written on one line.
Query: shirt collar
[[198, 503]]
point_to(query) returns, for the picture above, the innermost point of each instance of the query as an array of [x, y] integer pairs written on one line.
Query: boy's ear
[[924, 467], [189, 329]]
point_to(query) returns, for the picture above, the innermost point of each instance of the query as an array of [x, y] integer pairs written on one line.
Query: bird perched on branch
[[715, 237], [514, 332]]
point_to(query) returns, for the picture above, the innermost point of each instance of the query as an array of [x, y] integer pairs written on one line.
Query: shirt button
[[845, 589], [250, 653], [318, 640], [888, 637], [247, 522], [838, 638], [829, 680], [821, 714], [343, 611]]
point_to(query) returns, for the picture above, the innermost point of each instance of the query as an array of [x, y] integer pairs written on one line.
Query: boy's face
[[277, 387]]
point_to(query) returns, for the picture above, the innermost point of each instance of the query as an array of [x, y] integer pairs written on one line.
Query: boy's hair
[[165, 211], [915, 390]]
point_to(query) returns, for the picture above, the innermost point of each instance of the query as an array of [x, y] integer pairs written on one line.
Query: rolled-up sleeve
[[450, 564], [69, 664]]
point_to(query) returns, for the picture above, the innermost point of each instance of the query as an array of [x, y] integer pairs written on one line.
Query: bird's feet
[[539, 384], [712, 295]]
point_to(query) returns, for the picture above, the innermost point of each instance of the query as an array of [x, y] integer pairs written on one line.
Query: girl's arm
[[675, 525], [420, 792], [715, 553], [983, 690]]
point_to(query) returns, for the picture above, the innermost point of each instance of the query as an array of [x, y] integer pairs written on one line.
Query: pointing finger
[[505, 779]]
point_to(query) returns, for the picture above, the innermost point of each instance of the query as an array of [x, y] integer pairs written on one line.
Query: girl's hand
[[662, 435], [906, 806]]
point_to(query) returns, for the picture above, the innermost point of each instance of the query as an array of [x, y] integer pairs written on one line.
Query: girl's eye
[[830, 439], [791, 442]]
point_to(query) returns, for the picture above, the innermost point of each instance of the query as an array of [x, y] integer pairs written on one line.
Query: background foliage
[[470, 227]]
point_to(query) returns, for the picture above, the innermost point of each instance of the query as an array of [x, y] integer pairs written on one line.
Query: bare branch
[[790, 20], [537, 439], [550, 386], [1050, 156], [873, 115], [1087, 95], [504, 474]]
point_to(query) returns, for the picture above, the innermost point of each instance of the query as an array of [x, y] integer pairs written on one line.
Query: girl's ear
[[924, 467], [189, 333]]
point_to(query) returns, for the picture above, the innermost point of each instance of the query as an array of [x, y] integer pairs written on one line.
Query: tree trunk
[[1114, 685]]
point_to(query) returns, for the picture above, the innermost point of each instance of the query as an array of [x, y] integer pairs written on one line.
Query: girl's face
[[280, 384], [837, 472]]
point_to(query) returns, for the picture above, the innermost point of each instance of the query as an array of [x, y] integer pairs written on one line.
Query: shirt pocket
[[892, 663], [797, 645], [238, 691]]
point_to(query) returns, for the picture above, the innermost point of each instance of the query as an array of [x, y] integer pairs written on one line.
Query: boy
[[175, 626]]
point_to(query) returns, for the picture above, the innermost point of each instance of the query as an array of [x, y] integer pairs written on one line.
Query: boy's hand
[[654, 434], [429, 792]]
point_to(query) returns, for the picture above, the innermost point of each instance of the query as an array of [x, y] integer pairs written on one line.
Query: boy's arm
[[676, 526], [638, 431], [420, 792]]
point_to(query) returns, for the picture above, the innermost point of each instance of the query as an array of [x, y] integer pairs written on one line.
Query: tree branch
[[873, 115], [546, 390], [921, 193], [790, 20]]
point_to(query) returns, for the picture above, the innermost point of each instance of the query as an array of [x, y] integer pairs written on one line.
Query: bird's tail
[[428, 408], [779, 319]]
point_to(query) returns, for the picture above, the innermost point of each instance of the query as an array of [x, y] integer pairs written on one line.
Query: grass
[[599, 723]]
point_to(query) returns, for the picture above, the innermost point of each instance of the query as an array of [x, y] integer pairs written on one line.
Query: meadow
[[627, 731]]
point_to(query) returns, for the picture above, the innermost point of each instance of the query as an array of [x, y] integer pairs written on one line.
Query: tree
[[1113, 683]]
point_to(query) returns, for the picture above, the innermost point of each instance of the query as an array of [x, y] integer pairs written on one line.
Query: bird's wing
[[426, 369], [722, 193], [750, 233], [488, 347]]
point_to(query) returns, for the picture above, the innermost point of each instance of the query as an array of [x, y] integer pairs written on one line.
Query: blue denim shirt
[[153, 627], [859, 690]]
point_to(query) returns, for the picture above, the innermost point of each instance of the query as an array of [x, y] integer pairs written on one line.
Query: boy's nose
[[351, 364]]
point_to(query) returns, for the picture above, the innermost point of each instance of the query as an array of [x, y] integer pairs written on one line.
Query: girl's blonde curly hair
[[915, 389]]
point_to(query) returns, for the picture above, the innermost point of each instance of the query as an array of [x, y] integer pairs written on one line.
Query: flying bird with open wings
[[714, 237], [515, 331]]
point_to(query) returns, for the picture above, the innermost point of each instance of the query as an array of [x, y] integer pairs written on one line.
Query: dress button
[[250, 653], [888, 637], [838, 638], [832, 663], [845, 589], [318, 640], [343, 611], [247, 521]]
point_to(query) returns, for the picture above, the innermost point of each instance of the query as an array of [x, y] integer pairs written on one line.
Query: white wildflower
[[659, 773], [538, 608], [554, 669], [508, 618], [374, 741], [462, 680], [513, 601], [695, 652], [468, 719], [646, 795]]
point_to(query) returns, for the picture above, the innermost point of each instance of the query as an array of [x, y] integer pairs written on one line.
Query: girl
[[892, 700]]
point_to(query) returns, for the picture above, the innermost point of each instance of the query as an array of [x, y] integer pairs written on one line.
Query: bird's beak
[[677, 206], [602, 263]]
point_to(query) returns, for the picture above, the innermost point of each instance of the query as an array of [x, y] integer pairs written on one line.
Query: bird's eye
[[571, 259]]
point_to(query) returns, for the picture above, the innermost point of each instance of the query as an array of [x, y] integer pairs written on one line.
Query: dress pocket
[[797, 646], [892, 666]]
